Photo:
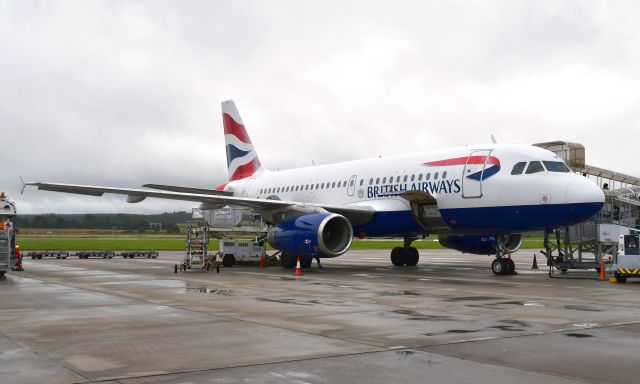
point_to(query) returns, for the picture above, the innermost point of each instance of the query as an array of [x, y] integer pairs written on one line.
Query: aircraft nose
[[582, 190]]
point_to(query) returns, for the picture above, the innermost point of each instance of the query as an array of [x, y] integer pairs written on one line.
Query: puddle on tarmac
[[472, 298], [516, 322], [578, 335], [281, 278], [508, 328], [451, 331], [583, 308], [398, 293], [416, 316], [216, 291], [295, 301]]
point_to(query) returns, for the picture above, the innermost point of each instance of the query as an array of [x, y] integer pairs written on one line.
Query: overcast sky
[[123, 93]]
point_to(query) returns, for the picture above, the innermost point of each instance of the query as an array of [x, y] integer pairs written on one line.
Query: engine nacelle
[[481, 244], [318, 234]]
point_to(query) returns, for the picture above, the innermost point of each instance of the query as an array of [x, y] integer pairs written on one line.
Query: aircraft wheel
[[228, 260], [287, 260], [511, 267], [398, 256], [175, 268], [499, 266], [412, 257], [305, 262]]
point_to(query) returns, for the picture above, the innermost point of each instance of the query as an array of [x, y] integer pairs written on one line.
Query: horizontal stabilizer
[[175, 188]]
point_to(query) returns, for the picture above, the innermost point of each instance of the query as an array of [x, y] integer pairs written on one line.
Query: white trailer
[[240, 250], [7, 235], [628, 261]]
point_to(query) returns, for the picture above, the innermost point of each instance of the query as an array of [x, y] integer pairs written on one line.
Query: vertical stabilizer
[[242, 158]]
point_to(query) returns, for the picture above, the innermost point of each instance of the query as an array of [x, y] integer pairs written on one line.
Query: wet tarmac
[[357, 320]]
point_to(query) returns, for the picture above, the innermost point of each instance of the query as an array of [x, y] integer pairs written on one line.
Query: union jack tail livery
[[242, 158]]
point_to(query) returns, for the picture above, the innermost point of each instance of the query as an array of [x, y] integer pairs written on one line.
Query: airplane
[[477, 199]]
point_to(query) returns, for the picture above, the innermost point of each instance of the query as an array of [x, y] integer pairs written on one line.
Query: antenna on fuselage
[[493, 140]]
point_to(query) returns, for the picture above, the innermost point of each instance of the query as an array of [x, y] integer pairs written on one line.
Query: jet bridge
[[594, 243]]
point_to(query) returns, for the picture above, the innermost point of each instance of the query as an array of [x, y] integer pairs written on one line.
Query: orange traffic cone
[[602, 276], [262, 261], [298, 268], [535, 262]]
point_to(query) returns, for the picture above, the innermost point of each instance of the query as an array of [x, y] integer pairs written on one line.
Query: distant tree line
[[121, 221]]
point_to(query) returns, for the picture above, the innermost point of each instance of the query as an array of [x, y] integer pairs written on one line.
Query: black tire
[[511, 267], [398, 256], [499, 266], [620, 277], [305, 262], [287, 260], [175, 268], [412, 257], [228, 260], [39, 257], [2, 273]]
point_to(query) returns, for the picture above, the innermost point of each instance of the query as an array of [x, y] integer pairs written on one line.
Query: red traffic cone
[[262, 260], [535, 262], [298, 268]]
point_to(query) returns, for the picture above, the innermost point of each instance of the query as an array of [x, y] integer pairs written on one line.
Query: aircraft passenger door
[[352, 185], [473, 172]]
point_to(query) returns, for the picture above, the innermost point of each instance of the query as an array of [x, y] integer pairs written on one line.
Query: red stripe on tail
[[231, 127]]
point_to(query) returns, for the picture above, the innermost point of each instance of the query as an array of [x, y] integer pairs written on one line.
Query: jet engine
[[328, 234], [481, 244]]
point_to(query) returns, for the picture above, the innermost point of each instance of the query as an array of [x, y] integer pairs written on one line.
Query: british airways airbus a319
[[477, 199]]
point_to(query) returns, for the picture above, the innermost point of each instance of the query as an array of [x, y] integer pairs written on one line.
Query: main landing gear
[[288, 260], [503, 266], [406, 255]]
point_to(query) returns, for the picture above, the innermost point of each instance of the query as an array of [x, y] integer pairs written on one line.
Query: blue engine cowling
[[318, 234], [481, 244]]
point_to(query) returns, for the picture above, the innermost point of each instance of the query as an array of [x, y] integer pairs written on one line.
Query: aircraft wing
[[356, 214]]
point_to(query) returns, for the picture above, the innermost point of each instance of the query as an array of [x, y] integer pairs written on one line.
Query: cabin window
[[370, 182], [306, 188], [361, 182], [322, 186], [377, 180], [556, 166], [333, 185], [287, 189], [405, 178], [420, 177], [435, 176], [444, 174], [398, 179], [535, 167], [317, 185], [351, 183], [427, 176], [384, 180], [518, 168], [413, 177]]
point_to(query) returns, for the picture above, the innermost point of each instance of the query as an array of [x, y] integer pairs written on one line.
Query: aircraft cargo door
[[472, 173]]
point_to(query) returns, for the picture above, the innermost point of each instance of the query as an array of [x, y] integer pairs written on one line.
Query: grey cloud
[[127, 92]]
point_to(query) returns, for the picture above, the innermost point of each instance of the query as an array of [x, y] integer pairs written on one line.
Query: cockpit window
[[556, 166], [518, 168], [535, 167]]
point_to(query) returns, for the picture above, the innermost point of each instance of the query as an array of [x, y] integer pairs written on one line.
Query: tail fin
[[242, 158]]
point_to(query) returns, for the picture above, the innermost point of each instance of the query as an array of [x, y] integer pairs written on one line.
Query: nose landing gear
[[502, 265], [406, 255]]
